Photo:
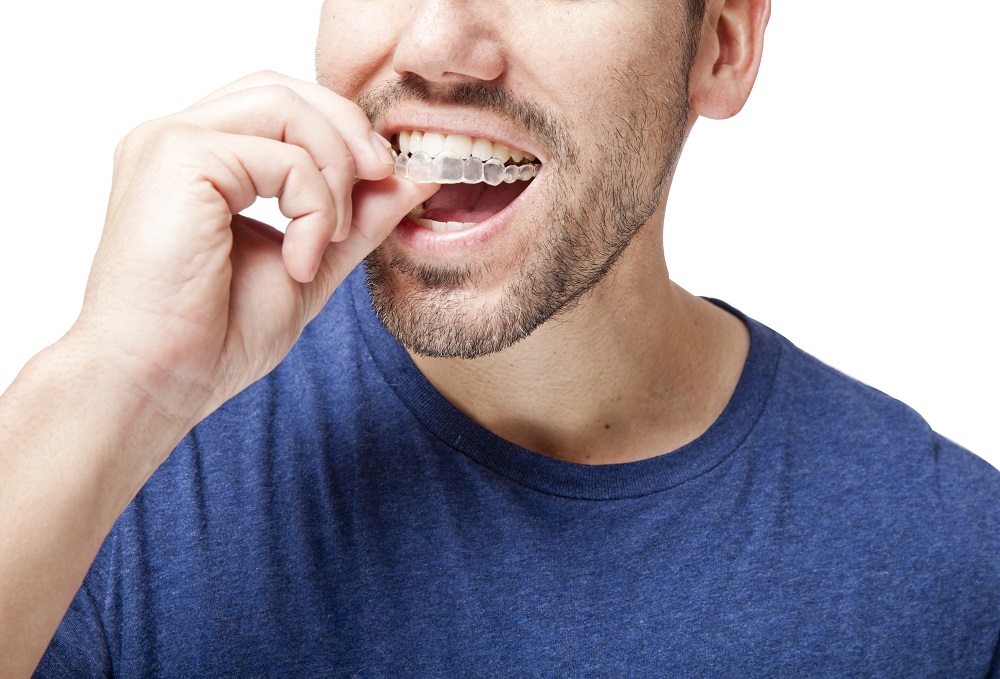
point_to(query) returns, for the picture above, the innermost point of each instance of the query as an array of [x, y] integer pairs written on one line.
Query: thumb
[[378, 207]]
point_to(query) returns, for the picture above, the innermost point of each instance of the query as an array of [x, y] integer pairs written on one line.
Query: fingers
[[285, 171], [380, 207], [272, 136], [269, 168], [255, 166], [339, 138], [349, 120], [279, 113]]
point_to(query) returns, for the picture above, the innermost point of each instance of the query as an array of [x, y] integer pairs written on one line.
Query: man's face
[[595, 90]]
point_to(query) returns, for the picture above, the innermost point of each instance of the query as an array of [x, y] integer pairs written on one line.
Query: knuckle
[[345, 162], [166, 137], [340, 174], [281, 96], [266, 75], [154, 138], [348, 167], [255, 79], [300, 156]]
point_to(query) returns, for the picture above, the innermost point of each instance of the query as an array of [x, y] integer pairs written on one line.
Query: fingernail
[[382, 147]]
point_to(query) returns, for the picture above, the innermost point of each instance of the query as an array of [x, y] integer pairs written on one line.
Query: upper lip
[[475, 123]]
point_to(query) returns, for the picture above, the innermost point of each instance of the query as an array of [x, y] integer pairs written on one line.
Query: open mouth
[[479, 177]]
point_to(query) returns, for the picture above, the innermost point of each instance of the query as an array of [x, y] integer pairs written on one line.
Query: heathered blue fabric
[[340, 518]]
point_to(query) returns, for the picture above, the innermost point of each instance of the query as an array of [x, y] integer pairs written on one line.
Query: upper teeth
[[433, 157], [433, 143]]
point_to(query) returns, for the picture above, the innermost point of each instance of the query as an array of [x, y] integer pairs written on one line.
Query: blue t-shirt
[[341, 518]]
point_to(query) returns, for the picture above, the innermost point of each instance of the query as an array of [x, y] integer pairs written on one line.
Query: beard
[[595, 205]]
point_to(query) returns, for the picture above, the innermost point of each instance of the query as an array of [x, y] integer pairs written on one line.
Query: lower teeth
[[416, 216], [448, 167], [443, 226]]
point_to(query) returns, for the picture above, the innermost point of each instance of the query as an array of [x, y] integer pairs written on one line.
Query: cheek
[[598, 74], [356, 40]]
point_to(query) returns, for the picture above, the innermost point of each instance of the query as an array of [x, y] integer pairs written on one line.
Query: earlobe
[[728, 57]]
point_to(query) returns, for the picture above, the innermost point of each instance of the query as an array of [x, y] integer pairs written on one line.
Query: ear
[[728, 57]]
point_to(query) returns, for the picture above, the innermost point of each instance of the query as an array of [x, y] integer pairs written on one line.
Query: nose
[[450, 41]]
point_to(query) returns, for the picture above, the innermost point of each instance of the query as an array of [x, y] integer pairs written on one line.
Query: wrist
[[79, 436]]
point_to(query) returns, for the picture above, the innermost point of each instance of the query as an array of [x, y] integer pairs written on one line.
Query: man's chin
[[435, 311]]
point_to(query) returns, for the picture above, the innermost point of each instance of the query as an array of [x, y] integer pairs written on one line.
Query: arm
[[186, 305]]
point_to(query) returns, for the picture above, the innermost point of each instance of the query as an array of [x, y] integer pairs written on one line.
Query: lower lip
[[456, 244]]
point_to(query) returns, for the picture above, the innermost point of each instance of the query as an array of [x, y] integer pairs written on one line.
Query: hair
[[696, 10], [695, 17]]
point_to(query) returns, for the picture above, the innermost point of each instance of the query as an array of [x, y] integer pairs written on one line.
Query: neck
[[637, 368]]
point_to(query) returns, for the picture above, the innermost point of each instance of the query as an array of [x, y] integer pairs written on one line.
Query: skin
[[187, 305]]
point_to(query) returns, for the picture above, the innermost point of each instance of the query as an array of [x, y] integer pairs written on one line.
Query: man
[[558, 462]]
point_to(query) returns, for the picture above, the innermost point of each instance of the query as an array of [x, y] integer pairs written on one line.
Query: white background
[[852, 205]]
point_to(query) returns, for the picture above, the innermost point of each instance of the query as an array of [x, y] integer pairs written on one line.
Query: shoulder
[[861, 441], [818, 399], [868, 494]]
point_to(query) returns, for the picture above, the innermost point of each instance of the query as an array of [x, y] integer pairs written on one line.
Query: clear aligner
[[447, 167]]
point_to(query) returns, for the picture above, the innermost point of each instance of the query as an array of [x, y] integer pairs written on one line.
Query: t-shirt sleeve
[[79, 647], [969, 490]]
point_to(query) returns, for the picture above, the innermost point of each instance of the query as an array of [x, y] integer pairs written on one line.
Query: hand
[[199, 301], [187, 304]]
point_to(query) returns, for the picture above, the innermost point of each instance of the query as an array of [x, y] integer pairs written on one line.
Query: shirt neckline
[[557, 477]]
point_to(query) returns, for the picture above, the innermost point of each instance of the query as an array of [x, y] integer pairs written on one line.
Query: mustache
[[491, 97]]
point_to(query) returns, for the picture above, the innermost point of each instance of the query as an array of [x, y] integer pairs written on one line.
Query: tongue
[[470, 202]]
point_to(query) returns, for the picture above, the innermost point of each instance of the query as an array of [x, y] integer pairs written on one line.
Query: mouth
[[479, 177]]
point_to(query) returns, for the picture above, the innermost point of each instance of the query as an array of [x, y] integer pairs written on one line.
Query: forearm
[[78, 438]]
